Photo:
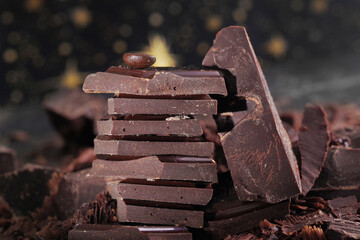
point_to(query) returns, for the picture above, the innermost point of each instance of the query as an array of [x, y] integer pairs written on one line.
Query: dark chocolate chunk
[[25, 189], [165, 191], [74, 115], [8, 161], [341, 169], [345, 208], [295, 223], [182, 127], [314, 139], [107, 232], [341, 229], [156, 214], [75, 189], [159, 83], [138, 60], [202, 106], [149, 148], [258, 150], [243, 217], [166, 168]]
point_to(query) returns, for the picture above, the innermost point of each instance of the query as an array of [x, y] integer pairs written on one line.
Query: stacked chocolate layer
[[153, 144]]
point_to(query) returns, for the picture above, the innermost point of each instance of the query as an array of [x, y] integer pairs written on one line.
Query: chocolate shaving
[[314, 142]]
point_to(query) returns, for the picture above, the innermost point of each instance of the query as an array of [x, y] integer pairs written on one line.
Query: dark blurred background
[[48, 44]]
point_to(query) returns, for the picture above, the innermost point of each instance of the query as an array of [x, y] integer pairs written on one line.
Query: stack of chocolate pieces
[[152, 143]]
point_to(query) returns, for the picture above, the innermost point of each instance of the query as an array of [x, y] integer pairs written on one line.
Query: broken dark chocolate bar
[[154, 212], [183, 127], [258, 150], [341, 229], [25, 189], [8, 161], [165, 191], [314, 139], [241, 217], [74, 115], [155, 82], [149, 148], [76, 188], [162, 167], [341, 169], [202, 106], [116, 231]]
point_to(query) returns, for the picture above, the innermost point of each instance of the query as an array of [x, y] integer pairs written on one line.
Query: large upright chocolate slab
[[314, 139], [149, 148], [181, 127], [155, 82], [167, 168], [116, 231], [166, 191], [154, 213], [257, 149], [202, 106]]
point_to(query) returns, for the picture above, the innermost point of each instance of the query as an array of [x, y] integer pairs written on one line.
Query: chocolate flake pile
[[198, 154]]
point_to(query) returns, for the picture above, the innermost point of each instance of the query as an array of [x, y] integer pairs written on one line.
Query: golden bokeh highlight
[[10, 55], [202, 48], [319, 6], [119, 46], [81, 17], [159, 48], [276, 46], [71, 77], [214, 23], [33, 5]]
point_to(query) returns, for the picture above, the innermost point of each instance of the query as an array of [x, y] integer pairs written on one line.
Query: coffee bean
[[140, 60]]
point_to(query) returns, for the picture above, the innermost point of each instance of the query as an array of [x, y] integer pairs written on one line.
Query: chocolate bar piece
[[341, 229], [202, 106], [76, 188], [25, 189], [154, 212], [182, 127], [240, 217], [345, 208], [341, 169], [258, 150], [8, 161], [155, 82], [108, 232], [74, 114], [166, 191], [149, 148], [314, 139], [162, 167]]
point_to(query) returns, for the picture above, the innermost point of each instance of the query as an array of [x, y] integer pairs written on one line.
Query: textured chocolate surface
[[341, 229], [243, 217], [165, 191], [257, 149], [107, 232], [167, 168], [75, 189], [154, 213], [156, 83], [314, 139], [149, 148], [202, 106], [182, 127], [341, 169]]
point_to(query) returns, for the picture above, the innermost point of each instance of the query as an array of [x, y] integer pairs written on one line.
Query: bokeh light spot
[[119, 46], [81, 17], [10, 55], [276, 46], [156, 19], [214, 23], [65, 49]]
